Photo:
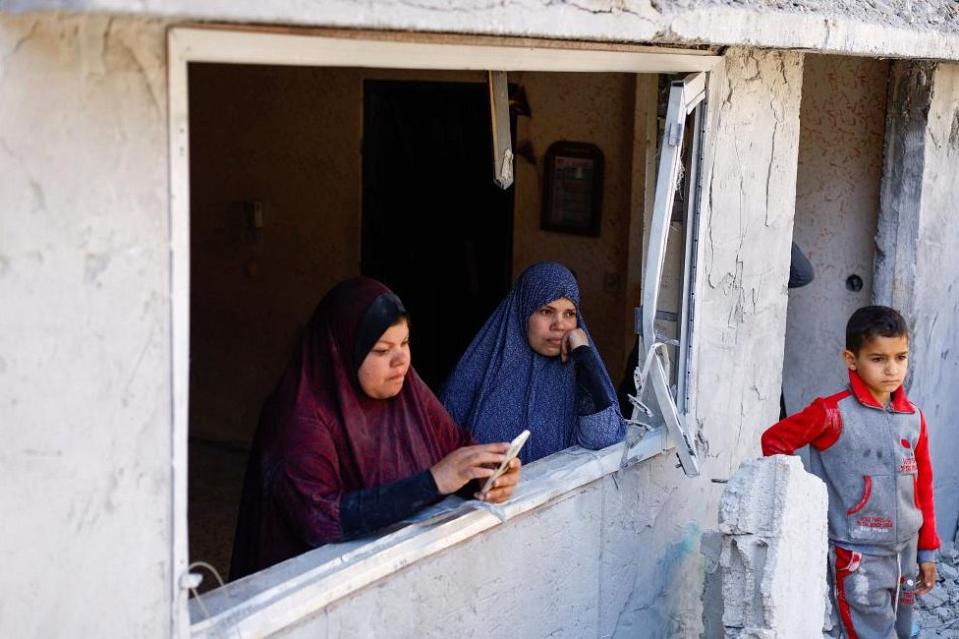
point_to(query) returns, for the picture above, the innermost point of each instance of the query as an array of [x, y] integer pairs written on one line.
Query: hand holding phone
[[467, 463], [514, 447]]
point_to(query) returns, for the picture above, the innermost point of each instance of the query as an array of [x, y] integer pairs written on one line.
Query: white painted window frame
[[283, 603], [687, 96]]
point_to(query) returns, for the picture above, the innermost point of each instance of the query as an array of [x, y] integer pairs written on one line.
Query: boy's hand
[[927, 577]]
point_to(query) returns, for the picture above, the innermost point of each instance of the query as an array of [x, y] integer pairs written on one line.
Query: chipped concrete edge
[[717, 26]]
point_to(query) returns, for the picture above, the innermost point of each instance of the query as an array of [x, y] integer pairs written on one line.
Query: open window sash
[[686, 97]]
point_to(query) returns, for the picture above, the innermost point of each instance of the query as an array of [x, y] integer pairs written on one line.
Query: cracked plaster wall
[[935, 315], [620, 557], [879, 27], [84, 328], [917, 239], [925, 274]]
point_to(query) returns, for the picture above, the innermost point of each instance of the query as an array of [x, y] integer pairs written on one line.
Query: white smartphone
[[514, 448]]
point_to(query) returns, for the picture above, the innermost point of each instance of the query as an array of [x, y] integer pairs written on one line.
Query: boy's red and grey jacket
[[875, 463]]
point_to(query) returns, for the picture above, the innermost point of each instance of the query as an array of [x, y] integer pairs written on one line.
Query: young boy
[[869, 445]]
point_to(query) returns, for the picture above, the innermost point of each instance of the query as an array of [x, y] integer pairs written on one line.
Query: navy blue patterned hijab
[[501, 386]]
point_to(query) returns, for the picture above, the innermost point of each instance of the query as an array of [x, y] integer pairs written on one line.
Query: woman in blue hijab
[[532, 366]]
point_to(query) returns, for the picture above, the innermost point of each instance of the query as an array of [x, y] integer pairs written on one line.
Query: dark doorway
[[436, 229]]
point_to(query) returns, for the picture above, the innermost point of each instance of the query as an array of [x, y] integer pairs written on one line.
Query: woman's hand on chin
[[573, 339]]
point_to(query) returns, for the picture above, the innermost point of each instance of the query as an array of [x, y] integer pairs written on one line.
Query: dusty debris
[[938, 611]]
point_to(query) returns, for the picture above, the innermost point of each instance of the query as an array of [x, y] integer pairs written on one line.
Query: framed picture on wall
[[573, 188]]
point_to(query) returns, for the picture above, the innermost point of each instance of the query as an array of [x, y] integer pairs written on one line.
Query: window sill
[[272, 599]]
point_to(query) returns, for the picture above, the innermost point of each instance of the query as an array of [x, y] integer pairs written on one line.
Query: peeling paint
[[920, 238]]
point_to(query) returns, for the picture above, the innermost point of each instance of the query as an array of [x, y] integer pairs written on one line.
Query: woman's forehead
[[398, 332], [562, 303]]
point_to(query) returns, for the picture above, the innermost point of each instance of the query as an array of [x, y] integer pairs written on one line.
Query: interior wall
[[85, 370], [290, 137], [582, 107], [842, 128]]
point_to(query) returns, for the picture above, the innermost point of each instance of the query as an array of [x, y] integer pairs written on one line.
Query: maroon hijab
[[320, 436]]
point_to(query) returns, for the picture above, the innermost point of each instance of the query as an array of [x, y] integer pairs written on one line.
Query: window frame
[[230, 44], [687, 98]]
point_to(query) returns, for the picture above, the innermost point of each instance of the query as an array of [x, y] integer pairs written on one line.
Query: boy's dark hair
[[874, 321]]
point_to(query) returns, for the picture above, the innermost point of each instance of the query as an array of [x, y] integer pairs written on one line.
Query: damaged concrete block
[[773, 558]]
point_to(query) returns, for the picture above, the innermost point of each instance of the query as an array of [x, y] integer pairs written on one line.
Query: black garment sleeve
[[800, 269], [592, 396], [363, 511]]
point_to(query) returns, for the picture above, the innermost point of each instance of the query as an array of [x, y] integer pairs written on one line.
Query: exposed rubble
[[938, 611]]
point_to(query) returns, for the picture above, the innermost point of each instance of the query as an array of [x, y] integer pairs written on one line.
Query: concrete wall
[[84, 329], [86, 364], [744, 256], [269, 133], [927, 29], [842, 127], [571, 569], [918, 241], [935, 316]]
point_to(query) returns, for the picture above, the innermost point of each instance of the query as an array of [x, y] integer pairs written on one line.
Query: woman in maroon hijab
[[351, 440]]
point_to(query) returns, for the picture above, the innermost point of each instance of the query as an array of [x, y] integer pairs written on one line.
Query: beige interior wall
[[290, 137], [275, 135], [581, 107]]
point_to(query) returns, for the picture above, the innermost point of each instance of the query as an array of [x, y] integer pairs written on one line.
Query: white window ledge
[[272, 599]]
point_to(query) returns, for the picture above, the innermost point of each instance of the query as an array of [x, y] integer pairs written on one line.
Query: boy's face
[[882, 363]]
